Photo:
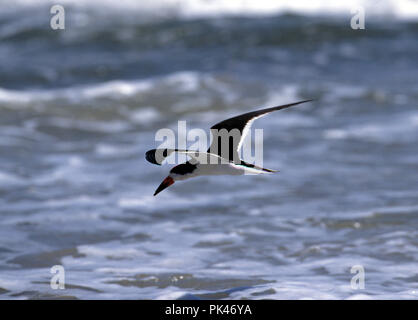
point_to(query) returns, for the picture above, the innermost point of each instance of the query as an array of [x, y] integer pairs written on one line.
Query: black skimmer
[[216, 161]]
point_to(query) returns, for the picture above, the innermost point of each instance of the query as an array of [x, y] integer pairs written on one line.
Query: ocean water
[[80, 107]]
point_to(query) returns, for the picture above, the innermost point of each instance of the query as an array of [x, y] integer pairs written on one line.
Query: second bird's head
[[180, 172]]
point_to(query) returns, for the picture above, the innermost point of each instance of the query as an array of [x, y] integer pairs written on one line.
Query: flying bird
[[217, 160]]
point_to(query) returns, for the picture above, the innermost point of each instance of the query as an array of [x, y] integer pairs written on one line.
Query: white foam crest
[[286, 94], [381, 210], [110, 250], [184, 81], [14, 96], [7, 179], [114, 150], [400, 9], [115, 88], [130, 202], [402, 130], [91, 126], [145, 115], [80, 200], [342, 91], [171, 295], [112, 88]]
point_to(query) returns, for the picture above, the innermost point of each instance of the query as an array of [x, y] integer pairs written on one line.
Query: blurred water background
[[80, 106]]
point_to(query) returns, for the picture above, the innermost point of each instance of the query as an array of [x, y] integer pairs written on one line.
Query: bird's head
[[180, 172]]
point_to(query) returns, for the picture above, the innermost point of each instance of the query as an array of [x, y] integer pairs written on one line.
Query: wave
[[184, 81], [401, 128], [399, 9]]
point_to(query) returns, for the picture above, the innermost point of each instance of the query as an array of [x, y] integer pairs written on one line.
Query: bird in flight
[[222, 157]]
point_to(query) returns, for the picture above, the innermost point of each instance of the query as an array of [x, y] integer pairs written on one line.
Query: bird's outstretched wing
[[231, 132]]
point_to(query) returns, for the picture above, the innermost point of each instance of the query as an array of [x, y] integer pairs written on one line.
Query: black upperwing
[[231, 132]]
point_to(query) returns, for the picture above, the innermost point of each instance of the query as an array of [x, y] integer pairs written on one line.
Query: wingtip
[[307, 100], [290, 105], [150, 156]]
